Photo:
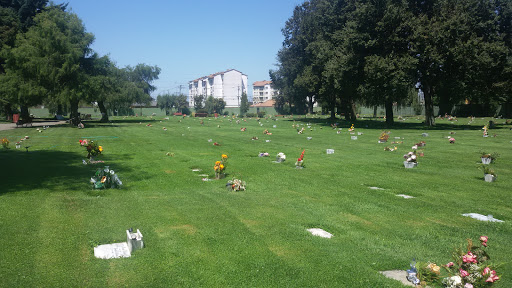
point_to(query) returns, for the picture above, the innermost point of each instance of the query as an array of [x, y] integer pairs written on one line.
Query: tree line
[[45, 58], [340, 53]]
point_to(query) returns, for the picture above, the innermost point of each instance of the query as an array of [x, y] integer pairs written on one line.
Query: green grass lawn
[[199, 234]]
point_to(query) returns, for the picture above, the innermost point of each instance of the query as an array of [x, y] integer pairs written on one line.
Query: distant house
[[262, 91], [228, 85]]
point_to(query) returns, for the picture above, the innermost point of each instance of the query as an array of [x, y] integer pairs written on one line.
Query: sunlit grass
[[199, 234]]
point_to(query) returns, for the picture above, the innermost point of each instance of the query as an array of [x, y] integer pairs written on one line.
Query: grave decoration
[[18, 145], [452, 140], [236, 185], [393, 148], [300, 131], [489, 173], [300, 161], [280, 157], [351, 128], [485, 132], [5, 143], [421, 144], [264, 154], [254, 138], [220, 167], [384, 137], [93, 149], [265, 132], [105, 178], [410, 160], [488, 158], [470, 268], [243, 129]]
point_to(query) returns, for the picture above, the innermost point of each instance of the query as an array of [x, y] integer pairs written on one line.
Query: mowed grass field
[[199, 234]]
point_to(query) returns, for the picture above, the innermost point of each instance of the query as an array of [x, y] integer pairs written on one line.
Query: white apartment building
[[228, 85], [262, 91]]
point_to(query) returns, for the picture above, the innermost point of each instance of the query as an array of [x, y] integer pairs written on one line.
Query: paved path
[[9, 126]]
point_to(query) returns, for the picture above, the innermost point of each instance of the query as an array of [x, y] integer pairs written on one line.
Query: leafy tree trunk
[[104, 112], [74, 119], [60, 111], [8, 111], [429, 106], [353, 111], [389, 112], [333, 108], [310, 104], [24, 113]]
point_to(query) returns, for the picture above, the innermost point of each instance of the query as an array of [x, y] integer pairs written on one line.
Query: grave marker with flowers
[[220, 167], [93, 149], [300, 161], [410, 160]]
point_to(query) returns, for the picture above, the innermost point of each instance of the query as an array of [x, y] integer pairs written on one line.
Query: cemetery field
[[199, 234]]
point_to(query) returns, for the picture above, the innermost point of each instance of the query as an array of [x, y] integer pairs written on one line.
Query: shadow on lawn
[[52, 170], [379, 123]]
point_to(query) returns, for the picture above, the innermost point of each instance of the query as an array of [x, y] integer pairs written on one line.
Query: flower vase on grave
[[489, 178], [18, 146], [486, 160], [410, 164], [219, 175]]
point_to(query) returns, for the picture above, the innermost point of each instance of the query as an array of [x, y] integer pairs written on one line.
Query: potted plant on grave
[[383, 138], [410, 160], [5, 143], [489, 174], [488, 158]]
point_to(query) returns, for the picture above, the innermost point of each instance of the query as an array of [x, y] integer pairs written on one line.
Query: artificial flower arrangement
[[5, 143], [485, 131], [490, 156], [280, 157], [351, 128], [452, 140], [266, 132], [300, 131], [255, 138], [236, 185], [421, 144], [384, 136], [220, 166], [105, 178], [410, 157], [243, 129], [469, 269], [300, 161], [93, 149], [390, 148], [264, 154]]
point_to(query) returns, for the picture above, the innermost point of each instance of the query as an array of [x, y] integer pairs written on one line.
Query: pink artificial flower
[[449, 264], [468, 285], [463, 273], [484, 240], [469, 258], [486, 271], [493, 277]]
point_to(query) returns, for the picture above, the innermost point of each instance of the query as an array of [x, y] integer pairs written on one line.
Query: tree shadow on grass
[[53, 170]]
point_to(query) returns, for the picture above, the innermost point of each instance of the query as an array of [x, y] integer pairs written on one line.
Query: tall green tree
[[165, 102], [244, 104], [47, 60]]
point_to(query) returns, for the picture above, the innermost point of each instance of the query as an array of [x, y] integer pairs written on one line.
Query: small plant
[[5, 143], [493, 156], [487, 170]]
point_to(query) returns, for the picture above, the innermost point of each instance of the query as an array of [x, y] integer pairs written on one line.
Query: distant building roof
[[268, 103], [215, 74], [261, 83]]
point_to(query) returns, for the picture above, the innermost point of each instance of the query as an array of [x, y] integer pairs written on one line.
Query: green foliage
[[244, 104], [214, 105], [199, 102]]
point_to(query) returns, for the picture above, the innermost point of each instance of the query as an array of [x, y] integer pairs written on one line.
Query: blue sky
[[188, 39]]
